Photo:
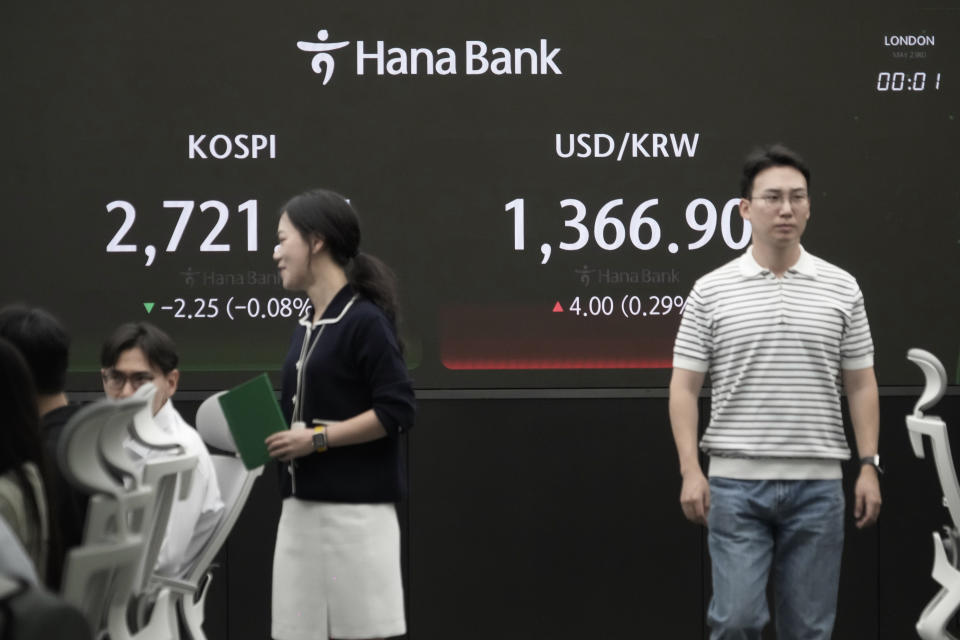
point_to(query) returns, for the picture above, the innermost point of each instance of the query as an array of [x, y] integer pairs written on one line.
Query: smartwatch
[[873, 461], [320, 439]]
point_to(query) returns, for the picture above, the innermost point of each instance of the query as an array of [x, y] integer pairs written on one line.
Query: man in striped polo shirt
[[777, 329]]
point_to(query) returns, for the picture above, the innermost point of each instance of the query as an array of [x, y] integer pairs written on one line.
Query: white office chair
[[106, 562], [158, 476], [235, 483], [933, 621]]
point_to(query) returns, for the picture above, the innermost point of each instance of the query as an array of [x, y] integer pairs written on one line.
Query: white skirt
[[336, 572]]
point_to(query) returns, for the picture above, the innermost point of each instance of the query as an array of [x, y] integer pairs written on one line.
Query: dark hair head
[[761, 158], [20, 431], [21, 442], [156, 345], [328, 215], [44, 343]]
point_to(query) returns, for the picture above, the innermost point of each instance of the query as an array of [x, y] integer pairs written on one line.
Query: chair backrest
[[94, 573], [113, 454], [942, 609], [161, 473], [233, 478], [158, 474], [79, 453], [935, 379], [919, 425], [104, 567]]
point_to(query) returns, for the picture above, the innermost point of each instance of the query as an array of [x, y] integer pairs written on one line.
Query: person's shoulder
[[724, 274], [10, 489], [192, 436], [13, 501], [14, 560], [52, 424], [193, 442], [184, 430], [831, 273], [367, 316], [57, 418], [364, 309]]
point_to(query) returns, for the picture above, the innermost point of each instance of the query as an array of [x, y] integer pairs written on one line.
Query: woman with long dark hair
[[347, 396], [24, 470]]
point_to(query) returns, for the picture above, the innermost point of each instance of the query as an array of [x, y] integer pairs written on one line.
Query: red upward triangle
[[557, 308]]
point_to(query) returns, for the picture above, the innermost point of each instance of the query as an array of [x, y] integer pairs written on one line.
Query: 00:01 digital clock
[[902, 81]]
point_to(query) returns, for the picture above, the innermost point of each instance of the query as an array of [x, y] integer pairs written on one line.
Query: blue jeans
[[794, 527]]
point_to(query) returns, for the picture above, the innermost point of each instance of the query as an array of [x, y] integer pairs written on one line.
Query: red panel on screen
[[513, 337]]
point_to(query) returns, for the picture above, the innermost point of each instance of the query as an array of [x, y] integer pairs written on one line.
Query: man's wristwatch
[[320, 439], [873, 461]]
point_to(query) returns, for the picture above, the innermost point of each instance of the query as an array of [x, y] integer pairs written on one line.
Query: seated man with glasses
[[138, 353]]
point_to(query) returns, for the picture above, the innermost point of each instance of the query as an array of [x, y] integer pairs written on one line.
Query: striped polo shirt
[[774, 348]]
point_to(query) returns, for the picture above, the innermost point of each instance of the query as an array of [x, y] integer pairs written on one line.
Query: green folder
[[252, 413]]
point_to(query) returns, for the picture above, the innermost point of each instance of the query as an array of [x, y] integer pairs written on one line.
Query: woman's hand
[[290, 444]]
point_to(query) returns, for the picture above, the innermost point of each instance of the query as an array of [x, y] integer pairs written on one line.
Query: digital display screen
[[548, 182]]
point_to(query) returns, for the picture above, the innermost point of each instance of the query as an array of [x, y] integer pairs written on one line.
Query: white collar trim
[[306, 321], [749, 267]]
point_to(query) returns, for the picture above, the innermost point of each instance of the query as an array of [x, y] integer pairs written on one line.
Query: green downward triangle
[[148, 306]]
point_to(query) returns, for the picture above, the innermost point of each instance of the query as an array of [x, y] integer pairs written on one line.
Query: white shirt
[[774, 348], [193, 519]]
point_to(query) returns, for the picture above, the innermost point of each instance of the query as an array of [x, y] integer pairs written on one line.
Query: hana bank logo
[[322, 62], [475, 58]]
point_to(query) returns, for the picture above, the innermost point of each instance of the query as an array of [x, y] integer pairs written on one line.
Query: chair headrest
[[79, 451], [935, 379], [212, 424]]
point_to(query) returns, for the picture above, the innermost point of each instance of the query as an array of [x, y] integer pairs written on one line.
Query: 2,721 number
[[186, 207]]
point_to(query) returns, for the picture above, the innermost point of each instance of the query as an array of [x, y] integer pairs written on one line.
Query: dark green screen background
[[100, 100]]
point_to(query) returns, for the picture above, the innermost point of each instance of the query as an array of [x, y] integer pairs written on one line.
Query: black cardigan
[[356, 365]]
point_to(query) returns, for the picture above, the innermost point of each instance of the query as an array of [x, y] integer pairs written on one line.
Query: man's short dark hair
[[44, 343], [156, 345], [761, 158]]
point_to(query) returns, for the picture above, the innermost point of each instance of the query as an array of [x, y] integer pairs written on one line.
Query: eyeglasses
[[797, 199], [117, 380]]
